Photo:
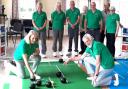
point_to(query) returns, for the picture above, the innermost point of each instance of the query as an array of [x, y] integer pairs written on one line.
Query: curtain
[[15, 12]]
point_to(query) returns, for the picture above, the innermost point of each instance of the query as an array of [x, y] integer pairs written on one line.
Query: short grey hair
[[39, 4], [87, 36], [112, 8]]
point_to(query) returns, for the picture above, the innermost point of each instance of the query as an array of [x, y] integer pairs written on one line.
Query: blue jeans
[[105, 75]]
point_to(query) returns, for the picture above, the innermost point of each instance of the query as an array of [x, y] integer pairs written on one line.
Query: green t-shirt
[[111, 22], [107, 61], [58, 20], [24, 48], [93, 19], [39, 19], [73, 16]]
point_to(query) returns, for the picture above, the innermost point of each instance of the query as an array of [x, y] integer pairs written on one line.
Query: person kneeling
[[98, 61], [27, 49]]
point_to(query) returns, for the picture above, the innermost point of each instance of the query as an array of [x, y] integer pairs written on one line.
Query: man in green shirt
[[39, 21], [98, 62], [28, 49], [93, 22], [73, 17], [112, 28], [58, 20]]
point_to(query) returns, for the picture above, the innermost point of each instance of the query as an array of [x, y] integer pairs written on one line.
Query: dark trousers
[[95, 33], [73, 34], [111, 43], [102, 36], [57, 36], [83, 46], [43, 42]]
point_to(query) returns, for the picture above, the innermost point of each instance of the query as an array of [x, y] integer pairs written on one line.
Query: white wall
[[49, 6], [8, 7]]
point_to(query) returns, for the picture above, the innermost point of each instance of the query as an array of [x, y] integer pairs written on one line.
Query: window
[[26, 8]]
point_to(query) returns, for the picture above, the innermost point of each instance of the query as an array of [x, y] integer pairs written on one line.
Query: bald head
[[58, 6]]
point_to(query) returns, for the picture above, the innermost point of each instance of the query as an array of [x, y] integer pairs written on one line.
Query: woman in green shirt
[[27, 49], [112, 28]]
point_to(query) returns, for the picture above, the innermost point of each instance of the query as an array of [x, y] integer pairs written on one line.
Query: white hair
[[39, 4], [112, 8], [31, 32], [87, 36]]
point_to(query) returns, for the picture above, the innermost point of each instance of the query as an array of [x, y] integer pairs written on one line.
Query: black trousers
[[73, 34], [111, 43], [95, 33], [83, 46], [102, 36]]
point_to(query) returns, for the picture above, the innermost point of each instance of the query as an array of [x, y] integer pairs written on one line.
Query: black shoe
[[13, 63], [81, 52]]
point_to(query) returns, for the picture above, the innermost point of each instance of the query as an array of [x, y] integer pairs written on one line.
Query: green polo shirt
[[107, 61], [58, 20], [111, 22], [93, 19], [73, 16], [39, 19], [24, 48]]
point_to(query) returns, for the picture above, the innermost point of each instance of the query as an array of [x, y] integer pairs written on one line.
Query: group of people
[[93, 21], [94, 24]]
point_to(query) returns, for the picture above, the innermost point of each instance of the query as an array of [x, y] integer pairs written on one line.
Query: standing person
[[112, 28], [28, 49], [82, 30], [73, 17], [98, 65], [105, 12], [58, 21], [39, 21], [93, 21]]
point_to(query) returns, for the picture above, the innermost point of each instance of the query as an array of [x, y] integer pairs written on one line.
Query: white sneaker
[[60, 53], [43, 55], [37, 76], [116, 81], [54, 54], [7, 67], [89, 78], [76, 53], [69, 54]]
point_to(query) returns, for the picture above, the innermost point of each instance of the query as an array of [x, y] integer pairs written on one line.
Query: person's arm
[[77, 21], [117, 25], [117, 28], [44, 25], [37, 51], [97, 65], [97, 68], [76, 58], [85, 25], [101, 25], [25, 58], [34, 25], [68, 21]]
